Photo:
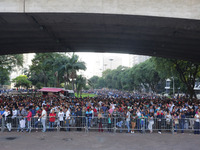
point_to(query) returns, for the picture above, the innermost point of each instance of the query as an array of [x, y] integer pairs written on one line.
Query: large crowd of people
[[127, 112]]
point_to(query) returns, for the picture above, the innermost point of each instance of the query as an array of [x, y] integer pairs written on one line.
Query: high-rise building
[[136, 59], [111, 62], [28, 59], [98, 62]]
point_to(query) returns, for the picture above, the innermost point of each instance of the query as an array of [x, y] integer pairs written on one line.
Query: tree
[[117, 79], [8, 64], [22, 81], [74, 66], [93, 82], [43, 68], [63, 65], [4, 76], [80, 84], [145, 75], [52, 69], [186, 71]]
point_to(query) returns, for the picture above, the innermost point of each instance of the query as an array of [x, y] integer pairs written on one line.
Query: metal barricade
[[74, 123], [186, 125], [100, 124], [2, 124], [89, 124]]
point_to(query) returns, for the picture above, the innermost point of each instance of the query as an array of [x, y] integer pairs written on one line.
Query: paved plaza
[[97, 141]]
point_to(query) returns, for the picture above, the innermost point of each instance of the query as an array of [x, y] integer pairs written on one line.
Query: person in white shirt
[[197, 124], [138, 113], [6, 113], [43, 119], [168, 118], [14, 116], [14, 113], [128, 120], [61, 118], [68, 114], [112, 105], [7, 116]]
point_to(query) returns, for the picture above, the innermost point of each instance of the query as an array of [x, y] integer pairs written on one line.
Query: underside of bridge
[[83, 32]]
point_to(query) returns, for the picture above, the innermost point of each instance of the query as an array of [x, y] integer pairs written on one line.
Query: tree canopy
[[186, 71], [22, 81], [150, 76], [7, 64], [52, 69]]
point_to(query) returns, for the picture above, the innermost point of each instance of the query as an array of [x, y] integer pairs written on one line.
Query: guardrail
[[89, 124]]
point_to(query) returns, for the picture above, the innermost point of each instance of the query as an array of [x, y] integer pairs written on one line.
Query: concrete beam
[[13, 6], [189, 9]]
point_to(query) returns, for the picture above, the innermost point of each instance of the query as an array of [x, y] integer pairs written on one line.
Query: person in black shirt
[[78, 113]]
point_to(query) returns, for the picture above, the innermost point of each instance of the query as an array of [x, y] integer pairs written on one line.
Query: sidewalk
[[97, 141]]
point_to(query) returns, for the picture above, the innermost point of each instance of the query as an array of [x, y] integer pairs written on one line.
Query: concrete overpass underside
[[93, 32]]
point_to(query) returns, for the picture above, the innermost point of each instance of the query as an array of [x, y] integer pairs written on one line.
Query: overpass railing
[[104, 124]]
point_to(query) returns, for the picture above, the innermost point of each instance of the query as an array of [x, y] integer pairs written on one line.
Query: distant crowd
[[125, 111]]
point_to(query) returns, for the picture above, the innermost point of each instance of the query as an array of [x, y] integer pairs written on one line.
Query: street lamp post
[[104, 67], [173, 87], [111, 63]]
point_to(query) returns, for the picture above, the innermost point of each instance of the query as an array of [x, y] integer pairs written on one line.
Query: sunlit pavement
[[98, 141]]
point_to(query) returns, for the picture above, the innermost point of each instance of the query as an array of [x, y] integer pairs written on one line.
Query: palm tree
[[80, 84], [63, 65], [68, 66], [75, 65]]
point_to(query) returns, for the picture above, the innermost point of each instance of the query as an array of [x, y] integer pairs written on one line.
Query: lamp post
[[111, 63], [173, 87], [104, 67]]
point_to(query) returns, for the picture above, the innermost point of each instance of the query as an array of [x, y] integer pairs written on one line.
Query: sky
[[92, 59], [95, 62]]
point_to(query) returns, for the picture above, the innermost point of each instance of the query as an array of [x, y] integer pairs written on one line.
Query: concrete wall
[[164, 8]]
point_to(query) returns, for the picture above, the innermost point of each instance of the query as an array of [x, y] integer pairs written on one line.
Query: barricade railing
[[88, 124]]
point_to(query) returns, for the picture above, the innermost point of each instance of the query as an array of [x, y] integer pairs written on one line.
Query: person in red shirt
[[52, 118], [95, 112], [159, 120], [29, 116]]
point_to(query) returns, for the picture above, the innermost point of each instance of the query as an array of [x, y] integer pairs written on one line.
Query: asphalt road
[[97, 141]]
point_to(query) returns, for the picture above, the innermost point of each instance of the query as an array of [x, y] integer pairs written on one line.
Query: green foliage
[[85, 95], [146, 75], [186, 71], [10, 61], [116, 79], [93, 82], [52, 69], [74, 66], [43, 69], [4, 76], [22, 81], [80, 84], [7, 64], [140, 76]]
